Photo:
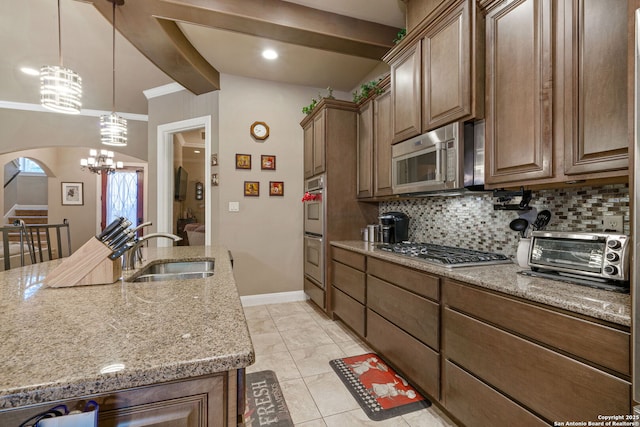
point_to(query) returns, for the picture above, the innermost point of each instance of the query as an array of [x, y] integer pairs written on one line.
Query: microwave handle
[[441, 161]]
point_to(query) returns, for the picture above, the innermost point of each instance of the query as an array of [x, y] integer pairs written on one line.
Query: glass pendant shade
[[60, 87], [113, 130]]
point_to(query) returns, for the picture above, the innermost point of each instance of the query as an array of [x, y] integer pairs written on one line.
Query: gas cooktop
[[445, 256]]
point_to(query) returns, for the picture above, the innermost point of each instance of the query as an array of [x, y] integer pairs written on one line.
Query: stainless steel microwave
[[603, 256], [444, 159]]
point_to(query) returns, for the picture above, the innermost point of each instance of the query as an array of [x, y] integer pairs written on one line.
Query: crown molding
[[24, 106], [154, 92]]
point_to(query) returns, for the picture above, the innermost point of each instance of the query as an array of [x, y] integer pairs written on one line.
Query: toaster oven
[[597, 256]]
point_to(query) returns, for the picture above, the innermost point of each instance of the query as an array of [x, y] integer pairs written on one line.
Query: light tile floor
[[296, 340]]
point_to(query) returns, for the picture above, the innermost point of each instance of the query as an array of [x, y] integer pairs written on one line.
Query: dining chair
[[39, 239]]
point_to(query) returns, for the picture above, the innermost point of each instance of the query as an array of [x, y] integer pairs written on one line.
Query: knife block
[[89, 265]]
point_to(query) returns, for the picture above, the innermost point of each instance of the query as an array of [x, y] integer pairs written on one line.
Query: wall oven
[[314, 242], [314, 206]]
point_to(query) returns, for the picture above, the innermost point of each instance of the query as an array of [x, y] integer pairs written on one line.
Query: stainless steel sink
[[161, 277], [179, 267], [175, 270]]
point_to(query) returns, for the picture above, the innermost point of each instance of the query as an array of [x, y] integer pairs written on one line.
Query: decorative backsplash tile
[[470, 220]]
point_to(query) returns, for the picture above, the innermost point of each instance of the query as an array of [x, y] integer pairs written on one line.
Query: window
[[29, 166]]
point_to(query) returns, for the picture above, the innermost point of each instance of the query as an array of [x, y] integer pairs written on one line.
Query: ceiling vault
[[152, 26]]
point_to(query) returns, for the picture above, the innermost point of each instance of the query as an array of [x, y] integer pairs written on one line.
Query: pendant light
[[113, 129], [60, 87]]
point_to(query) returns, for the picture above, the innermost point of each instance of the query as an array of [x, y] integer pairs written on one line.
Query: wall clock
[[260, 130]]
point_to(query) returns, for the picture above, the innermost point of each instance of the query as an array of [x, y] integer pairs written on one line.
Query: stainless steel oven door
[[314, 214], [314, 259]]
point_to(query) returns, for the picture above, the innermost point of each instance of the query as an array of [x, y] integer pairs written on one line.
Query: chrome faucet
[[134, 253]]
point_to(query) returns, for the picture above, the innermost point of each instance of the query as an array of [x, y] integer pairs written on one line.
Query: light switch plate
[[234, 206]]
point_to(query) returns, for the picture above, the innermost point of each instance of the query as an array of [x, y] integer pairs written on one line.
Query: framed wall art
[[72, 194], [251, 188], [276, 188], [243, 161], [268, 162]]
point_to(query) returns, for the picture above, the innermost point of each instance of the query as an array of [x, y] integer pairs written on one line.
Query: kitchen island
[[70, 343]]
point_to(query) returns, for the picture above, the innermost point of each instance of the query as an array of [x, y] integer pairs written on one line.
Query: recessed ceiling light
[[30, 71], [196, 151], [269, 54]]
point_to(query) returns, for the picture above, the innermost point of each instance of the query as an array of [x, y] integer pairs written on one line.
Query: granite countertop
[[605, 305], [57, 341]]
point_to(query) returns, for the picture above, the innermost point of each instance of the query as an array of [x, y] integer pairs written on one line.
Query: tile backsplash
[[470, 220]]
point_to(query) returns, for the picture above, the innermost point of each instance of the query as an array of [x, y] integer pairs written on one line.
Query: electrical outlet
[[613, 223]]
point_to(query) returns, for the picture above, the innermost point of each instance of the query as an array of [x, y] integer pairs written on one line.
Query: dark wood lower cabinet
[[208, 401], [476, 404], [414, 359], [548, 383], [350, 311], [489, 359]]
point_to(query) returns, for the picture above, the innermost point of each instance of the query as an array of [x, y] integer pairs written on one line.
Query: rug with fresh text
[[265, 405], [380, 391]]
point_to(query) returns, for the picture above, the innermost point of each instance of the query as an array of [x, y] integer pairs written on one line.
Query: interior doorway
[[166, 178]]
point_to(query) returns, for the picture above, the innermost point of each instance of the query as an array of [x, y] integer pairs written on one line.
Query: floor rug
[[379, 390], [265, 405]]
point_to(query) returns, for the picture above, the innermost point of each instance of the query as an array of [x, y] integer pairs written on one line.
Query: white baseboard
[[274, 298]]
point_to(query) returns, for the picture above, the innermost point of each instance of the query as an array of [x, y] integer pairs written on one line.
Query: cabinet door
[[318, 143], [406, 90], [446, 56], [308, 150], [365, 151], [382, 138], [519, 92], [596, 125]]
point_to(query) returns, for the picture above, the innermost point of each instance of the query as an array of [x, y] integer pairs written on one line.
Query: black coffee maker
[[395, 227]]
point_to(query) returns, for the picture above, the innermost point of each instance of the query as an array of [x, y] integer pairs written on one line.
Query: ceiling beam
[[151, 26]]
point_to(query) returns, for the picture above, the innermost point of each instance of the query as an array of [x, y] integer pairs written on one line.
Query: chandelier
[[113, 129], [100, 162], [60, 87]]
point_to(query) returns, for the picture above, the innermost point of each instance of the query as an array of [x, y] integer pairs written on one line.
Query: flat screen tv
[[181, 184]]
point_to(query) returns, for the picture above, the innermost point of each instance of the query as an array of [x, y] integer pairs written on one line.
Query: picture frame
[[243, 161], [276, 188], [251, 188], [72, 193], [268, 162]]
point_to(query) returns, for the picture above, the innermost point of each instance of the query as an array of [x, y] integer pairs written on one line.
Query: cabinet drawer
[[412, 280], [349, 310], [416, 315], [600, 344], [315, 292], [550, 384], [349, 280], [418, 362], [349, 258], [476, 404]]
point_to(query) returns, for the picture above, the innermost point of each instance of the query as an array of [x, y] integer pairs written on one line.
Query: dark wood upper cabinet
[[365, 150], [382, 139], [519, 92], [406, 90], [595, 125], [437, 71], [447, 68], [557, 92]]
